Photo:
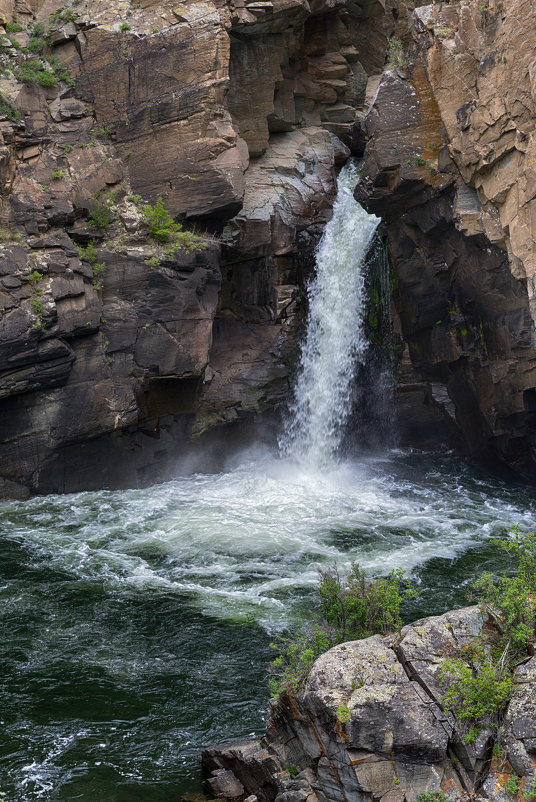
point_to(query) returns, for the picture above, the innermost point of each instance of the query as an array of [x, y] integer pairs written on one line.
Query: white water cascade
[[335, 342]]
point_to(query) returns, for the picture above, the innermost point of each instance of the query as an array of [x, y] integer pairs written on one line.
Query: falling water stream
[[335, 341], [136, 624]]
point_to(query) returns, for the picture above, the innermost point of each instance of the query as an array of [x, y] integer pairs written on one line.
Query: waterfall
[[335, 342]]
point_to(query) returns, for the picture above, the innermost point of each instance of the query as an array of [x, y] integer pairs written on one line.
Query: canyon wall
[[115, 358], [449, 165]]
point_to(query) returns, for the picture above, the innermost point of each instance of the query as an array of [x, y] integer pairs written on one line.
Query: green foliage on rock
[[357, 607], [479, 684], [512, 786], [295, 659], [8, 110], [431, 796], [163, 229], [343, 714], [478, 691], [351, 607], [396, 56], [89, 254], [103, 214]]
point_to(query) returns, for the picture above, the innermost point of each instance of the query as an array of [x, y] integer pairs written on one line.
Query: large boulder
[[369, 724]]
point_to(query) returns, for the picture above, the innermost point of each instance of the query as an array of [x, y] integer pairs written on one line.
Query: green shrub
[[295, 660], [343, 714], [57, 175], [101, 132], [124, 26], [35, 277], [431, 796], [511, 600], [37, 306], [35, 72], [103, 215], [63, 15], [60, 70], [8, 110], [471, 736], [154, 261], [89, 253], [512, 786], [530, 794], [396, 56], [162, 227], [357, 607], [351, 607], [37, 45], [477, 692], [13, 27]]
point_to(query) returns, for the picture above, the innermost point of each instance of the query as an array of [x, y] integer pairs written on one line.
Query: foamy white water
[[246, 541], [335, 341]]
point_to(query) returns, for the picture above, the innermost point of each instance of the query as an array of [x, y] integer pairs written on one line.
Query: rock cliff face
[[449, 165], [236, 114], [369, 725]]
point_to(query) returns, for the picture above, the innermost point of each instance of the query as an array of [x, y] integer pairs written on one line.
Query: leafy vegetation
[[295, 659], [512, 786], [63, 15], [163, 229], [89, 254], [479, 685], [431, 796], [35, 277], [7, 109], [43, 72], [478, 691], [471, 736], [396, 56], [354, 606], [101, 132], [103, 214], [351, 606], [37, 306]]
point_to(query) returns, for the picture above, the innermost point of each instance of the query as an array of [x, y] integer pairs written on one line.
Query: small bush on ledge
[[163, 229]]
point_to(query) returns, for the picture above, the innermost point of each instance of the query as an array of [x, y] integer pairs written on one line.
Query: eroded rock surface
[[369, 725], [448, 165], [237, 115]]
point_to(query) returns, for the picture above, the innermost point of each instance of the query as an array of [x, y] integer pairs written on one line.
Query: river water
[[135, 625]]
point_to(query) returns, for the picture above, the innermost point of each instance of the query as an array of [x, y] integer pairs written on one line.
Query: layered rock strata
[[369, 725], [236, 114], [448, 165]]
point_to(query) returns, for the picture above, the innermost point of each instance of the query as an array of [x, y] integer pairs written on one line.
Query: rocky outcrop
[[236, 114], [369, 724], [448, 166]]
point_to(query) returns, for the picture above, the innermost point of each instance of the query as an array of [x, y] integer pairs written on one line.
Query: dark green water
[[135, 625]]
